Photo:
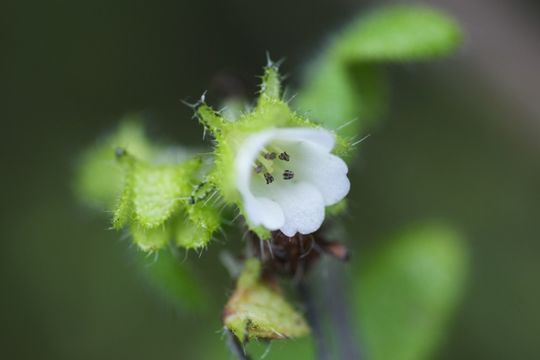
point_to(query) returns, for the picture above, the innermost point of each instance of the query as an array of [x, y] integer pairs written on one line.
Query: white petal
[[323, 138], [250, 148], [324, 170], [295, 206], [265, 212], [245, 158], [258, 210], [303, 207]]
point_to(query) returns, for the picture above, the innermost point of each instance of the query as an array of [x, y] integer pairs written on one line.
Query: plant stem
[[235, 346], [314, 321], [338, 307]]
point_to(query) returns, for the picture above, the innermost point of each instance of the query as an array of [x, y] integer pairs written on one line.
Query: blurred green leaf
[[344, 97], [407, 292], [99, 179], [346, 88], [399, 33], [172, 279]]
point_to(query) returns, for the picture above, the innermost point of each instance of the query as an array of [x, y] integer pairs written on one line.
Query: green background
[[450, 148]]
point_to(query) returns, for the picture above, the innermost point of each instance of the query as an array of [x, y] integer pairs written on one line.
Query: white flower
[[287, 176]]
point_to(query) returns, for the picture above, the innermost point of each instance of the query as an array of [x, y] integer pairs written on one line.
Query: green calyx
[[270, 111]]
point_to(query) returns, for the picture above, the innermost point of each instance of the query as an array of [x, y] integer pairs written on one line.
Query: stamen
[[284, 156], [270, 156], [266, 164], [268, 177], [288, 175], [259, 168]]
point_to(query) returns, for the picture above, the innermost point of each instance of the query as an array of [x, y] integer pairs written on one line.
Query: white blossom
[[287, 176]]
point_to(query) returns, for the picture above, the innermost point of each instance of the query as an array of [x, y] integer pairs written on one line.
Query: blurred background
[[461, 142]]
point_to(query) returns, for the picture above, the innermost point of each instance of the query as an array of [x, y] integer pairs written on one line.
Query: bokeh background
[[461, 141]]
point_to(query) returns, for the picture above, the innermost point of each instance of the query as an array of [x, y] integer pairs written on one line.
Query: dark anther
[[119, 152], [258, 168], [284, 156], [288, 175], [270, 156], [268, 177]]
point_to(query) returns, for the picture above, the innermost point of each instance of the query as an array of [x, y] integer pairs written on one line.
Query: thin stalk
[[321, 349], [235, 346], [340, 313]]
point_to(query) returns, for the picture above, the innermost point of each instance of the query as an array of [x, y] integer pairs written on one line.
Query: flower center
[[273, 161]]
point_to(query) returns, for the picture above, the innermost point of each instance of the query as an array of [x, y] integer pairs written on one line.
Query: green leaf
[[99, 177], [346, 88], [407, 291], [399, 33], [344, 98], [258, 309], [172, 279]]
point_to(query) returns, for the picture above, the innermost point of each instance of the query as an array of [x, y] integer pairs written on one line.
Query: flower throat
[[269, 160]]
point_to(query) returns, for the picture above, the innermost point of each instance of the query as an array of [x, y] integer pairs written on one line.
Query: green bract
[[159, 206], [152, 193], [156, 189], [258, 310]]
